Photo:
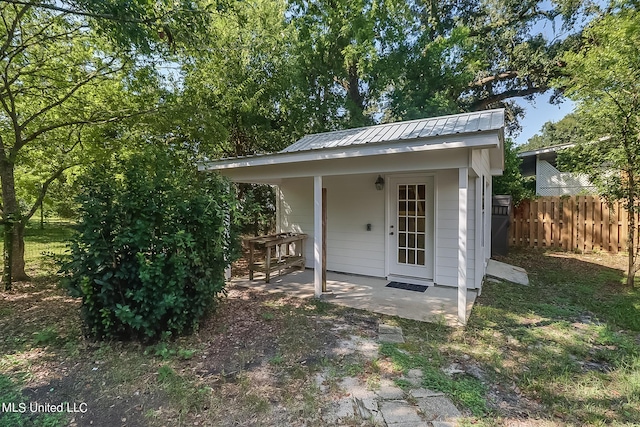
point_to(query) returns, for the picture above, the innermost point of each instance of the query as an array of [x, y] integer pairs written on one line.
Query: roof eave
[[478, 139]]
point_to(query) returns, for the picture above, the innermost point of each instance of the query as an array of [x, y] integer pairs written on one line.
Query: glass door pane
[[411, 220]]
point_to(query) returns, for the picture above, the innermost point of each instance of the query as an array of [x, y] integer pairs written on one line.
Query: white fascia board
[[485, 139], [392, 163], [550, 149]]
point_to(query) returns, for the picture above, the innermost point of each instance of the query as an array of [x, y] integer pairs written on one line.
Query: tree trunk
[[11, 218], [17, 261], [631, 237]]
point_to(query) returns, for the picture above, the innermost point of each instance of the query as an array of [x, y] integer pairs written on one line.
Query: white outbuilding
[[407, 201]]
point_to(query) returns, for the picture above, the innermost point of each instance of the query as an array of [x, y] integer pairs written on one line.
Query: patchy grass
[[569, 342], [562, 351]]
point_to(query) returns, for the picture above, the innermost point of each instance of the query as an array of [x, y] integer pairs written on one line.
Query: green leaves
[[152, 246], [603, 75]]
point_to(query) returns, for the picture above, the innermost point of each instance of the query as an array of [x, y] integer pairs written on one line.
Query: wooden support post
[[324, 240], [268, 264], [251, 249], [318, 261], [463, 185]]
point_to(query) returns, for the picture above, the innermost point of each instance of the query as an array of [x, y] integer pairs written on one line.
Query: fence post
[[606, 225], [540, 230], [553, 221]]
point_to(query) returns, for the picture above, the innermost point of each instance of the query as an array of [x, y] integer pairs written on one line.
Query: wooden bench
[[278, 253]]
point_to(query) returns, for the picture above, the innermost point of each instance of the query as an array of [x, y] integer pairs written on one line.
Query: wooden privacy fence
[[580, 223]]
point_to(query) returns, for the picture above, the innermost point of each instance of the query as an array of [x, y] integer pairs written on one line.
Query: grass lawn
[[563, 351]]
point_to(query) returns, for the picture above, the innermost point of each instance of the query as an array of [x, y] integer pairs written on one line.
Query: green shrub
[[152, 243]]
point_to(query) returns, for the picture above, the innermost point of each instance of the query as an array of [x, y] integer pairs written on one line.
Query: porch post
[[463, 184], [317, 235]]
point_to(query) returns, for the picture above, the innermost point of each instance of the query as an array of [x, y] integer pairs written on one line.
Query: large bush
[[153, 241]]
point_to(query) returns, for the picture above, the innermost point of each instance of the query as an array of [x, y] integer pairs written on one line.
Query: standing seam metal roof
[[414, 129]]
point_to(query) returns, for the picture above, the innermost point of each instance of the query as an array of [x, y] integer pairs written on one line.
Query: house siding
[[352, 203], [446, 245], [551, 182], [481, 167]]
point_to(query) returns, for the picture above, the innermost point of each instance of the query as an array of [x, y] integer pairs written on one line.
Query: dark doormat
[[407, 286]]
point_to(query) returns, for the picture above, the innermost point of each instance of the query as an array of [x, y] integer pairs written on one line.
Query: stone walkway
[[386, 405]]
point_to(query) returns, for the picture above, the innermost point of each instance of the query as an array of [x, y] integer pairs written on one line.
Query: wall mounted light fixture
[[379, 183]]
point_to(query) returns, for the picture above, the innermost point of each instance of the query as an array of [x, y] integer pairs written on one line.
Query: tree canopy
[[220, 78], [603, 76]]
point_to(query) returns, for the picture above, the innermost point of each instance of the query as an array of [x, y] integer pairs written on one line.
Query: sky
[[538, 112]]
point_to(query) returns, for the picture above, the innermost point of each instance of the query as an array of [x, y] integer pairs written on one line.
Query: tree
[[51, 86], [568, 130], [512, 182], [470, 55], [395, 60], [603, 76], [69, 71]]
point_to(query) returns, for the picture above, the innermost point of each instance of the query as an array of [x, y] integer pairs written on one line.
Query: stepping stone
[[367, 409], [356, 388], [389, 390], [438, 408], [391, 338], [443, 424], [422, 393], [388, 329], [399, 413], [343, 409], [414, 376], [390, 334]]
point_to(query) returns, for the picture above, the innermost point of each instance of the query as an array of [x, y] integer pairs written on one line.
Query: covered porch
[[436, 304]]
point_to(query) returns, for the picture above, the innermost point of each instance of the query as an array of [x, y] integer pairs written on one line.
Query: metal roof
[[399, 131]]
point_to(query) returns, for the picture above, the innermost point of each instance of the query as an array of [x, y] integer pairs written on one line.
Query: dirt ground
[[254, 362], [257, 351]]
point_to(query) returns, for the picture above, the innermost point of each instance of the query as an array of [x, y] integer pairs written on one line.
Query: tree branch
[[66, 96], [43, 191], [484, 103], [61, 9], [497, 77], [11, 32], [94, 121], [525, 15]]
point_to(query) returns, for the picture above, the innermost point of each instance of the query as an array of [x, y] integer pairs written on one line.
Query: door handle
[[391, 234]]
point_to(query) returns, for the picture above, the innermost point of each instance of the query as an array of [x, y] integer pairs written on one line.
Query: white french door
[[411, 230]]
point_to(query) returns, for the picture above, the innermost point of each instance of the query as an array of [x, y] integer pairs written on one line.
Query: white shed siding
[[352, 203], [295, 207], [471, 233], [446, 247], [447, 231], [480, 161]]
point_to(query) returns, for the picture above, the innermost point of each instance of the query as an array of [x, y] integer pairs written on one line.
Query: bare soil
[[250, 363]]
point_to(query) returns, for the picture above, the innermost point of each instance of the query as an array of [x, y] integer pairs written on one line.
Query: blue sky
[[538, 112]]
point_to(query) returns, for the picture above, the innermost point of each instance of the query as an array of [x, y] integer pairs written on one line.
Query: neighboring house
[[407, 201], [550, 181]]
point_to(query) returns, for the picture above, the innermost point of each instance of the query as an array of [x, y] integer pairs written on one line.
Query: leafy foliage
[[512, 182], [256, 208], [604, 77], [568, 130], [152, 245]]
